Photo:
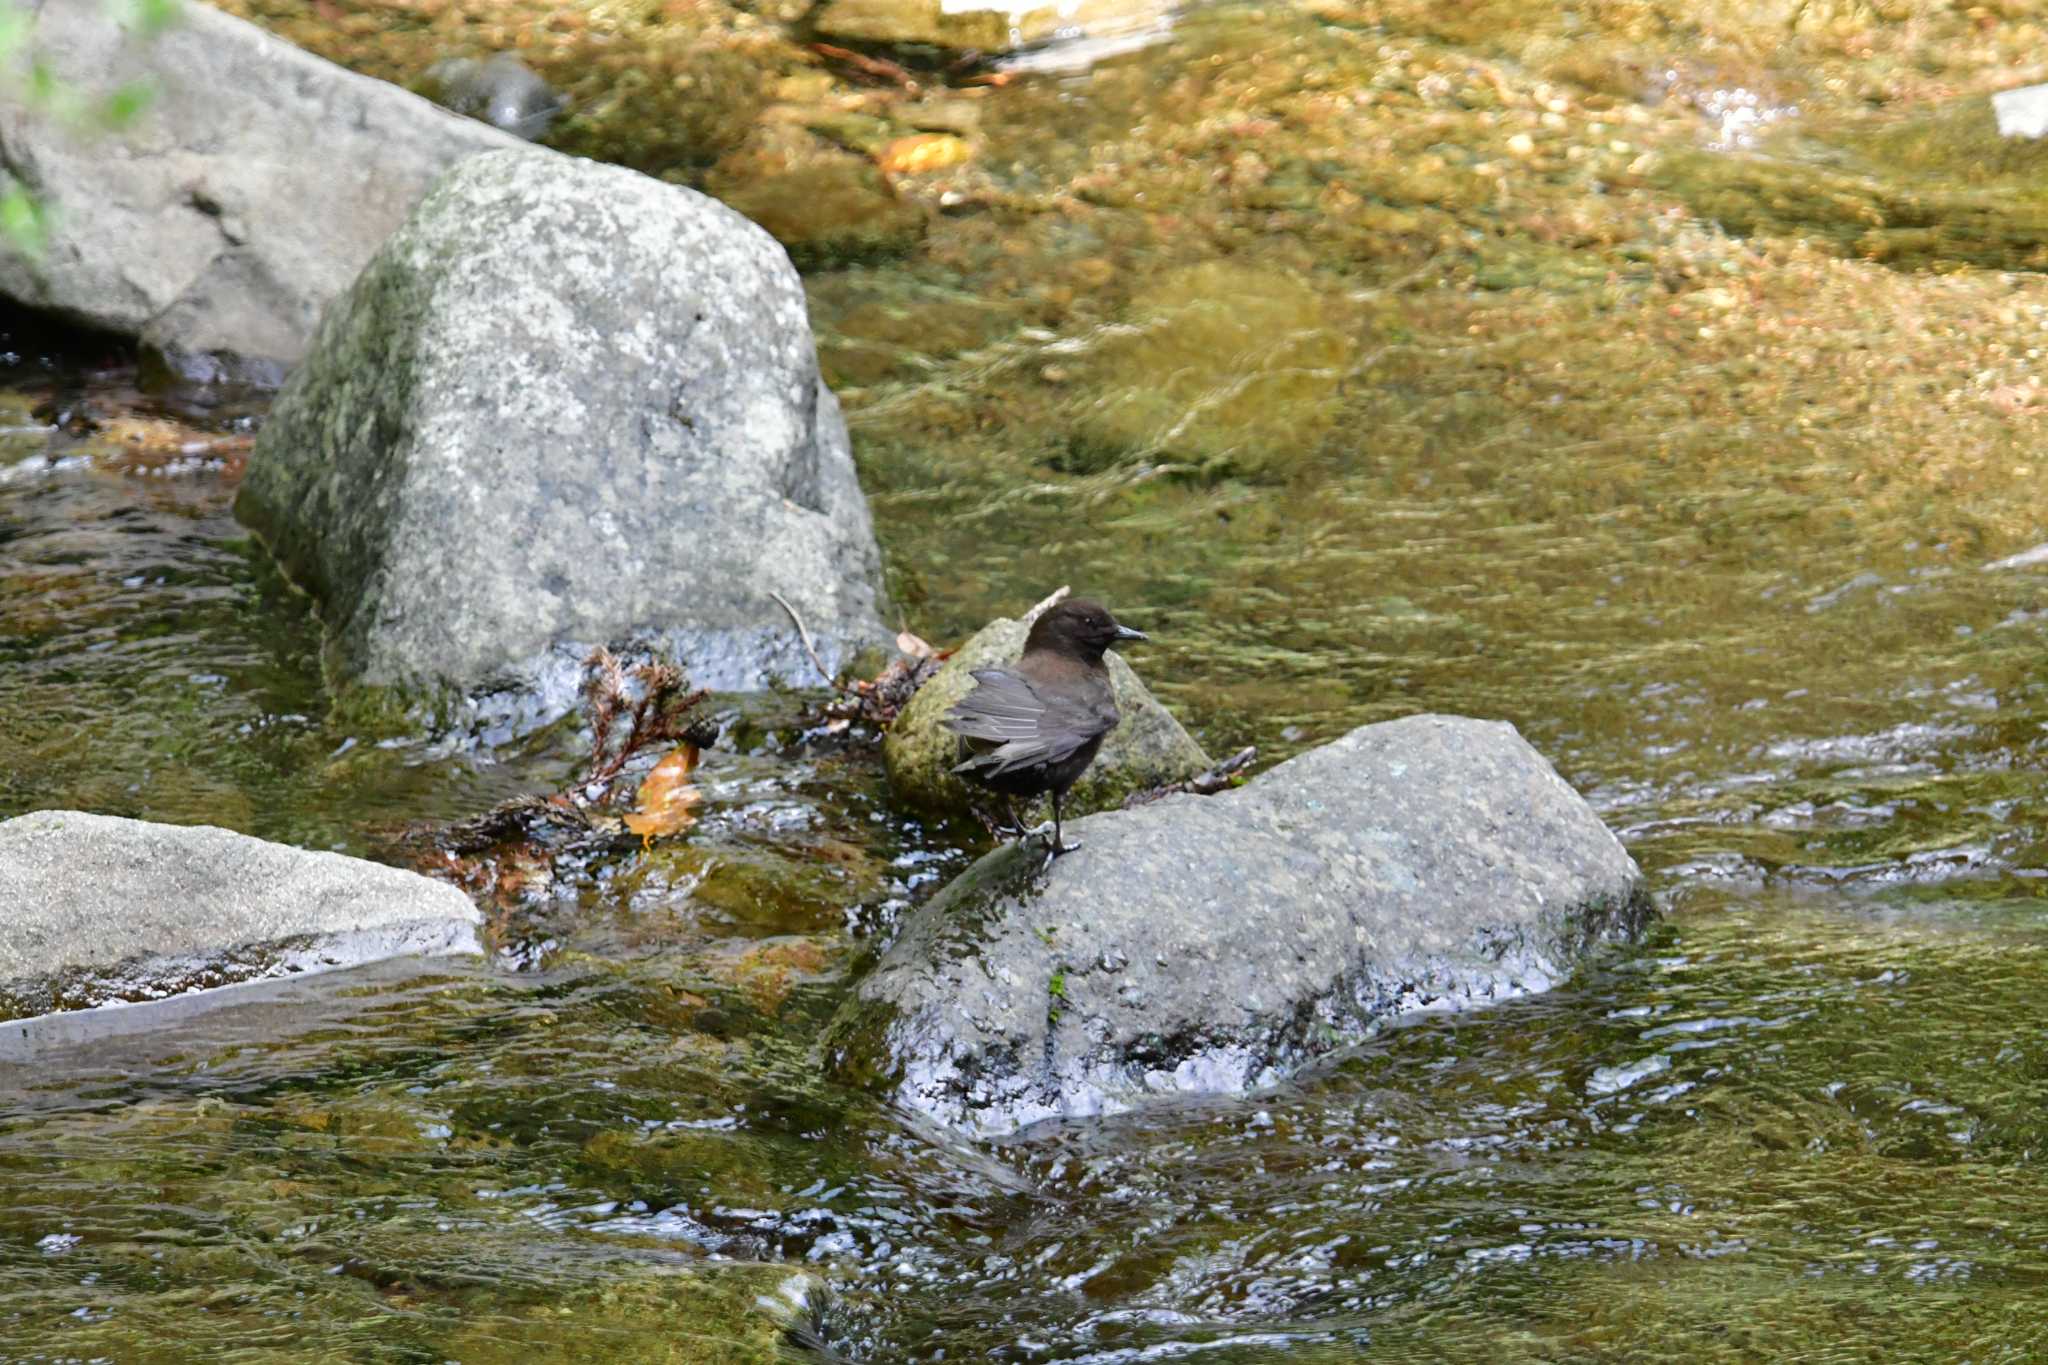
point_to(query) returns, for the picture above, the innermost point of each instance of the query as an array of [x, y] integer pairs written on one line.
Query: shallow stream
[[1276, 337]]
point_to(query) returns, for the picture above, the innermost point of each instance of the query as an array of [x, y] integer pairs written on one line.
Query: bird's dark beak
[[1126, 633]]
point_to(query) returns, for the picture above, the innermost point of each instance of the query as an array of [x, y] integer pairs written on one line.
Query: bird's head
[[1080, 628]]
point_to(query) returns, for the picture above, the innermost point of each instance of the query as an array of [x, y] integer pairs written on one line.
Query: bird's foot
[[1049, 834]]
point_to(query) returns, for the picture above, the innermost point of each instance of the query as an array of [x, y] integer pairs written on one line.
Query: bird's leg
[[1037, 831], [1058, 845], [1017, 826]]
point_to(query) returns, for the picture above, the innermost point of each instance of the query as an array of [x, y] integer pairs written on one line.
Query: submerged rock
[[102, 909], [503, 92], [1225, 367], [1148, 748], [567, 405], [1217, 944], [247, 194], [835, 211], [995, 26]]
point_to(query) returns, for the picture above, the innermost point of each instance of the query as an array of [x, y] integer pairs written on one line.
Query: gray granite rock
[[1148, 748], [101, 909], [1217, 944], [249, 192], [567, 405]]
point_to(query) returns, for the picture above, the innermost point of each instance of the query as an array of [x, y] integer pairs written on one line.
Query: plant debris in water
[[505, 852], [880, 699]]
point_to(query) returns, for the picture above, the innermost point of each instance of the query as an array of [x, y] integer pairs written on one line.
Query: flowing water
[[1374, 363]]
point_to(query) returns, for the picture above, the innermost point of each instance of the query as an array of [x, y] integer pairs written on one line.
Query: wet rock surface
[[567, 405], [502, 91], [1148, 748], [1206, 945], [103, 909], [1000, 26], [217, 225]]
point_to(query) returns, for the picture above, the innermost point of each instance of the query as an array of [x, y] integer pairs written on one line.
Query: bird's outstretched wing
[[1027, 726]]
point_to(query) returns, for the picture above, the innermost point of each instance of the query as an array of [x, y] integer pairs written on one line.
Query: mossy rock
[[1147, 749]]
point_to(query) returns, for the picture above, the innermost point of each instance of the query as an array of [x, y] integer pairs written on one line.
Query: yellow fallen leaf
[[667, 800], [922, 153]]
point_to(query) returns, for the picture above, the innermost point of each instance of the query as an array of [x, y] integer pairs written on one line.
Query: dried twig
[[804, 633], [1219, 778], [874, 68], [878, 700]]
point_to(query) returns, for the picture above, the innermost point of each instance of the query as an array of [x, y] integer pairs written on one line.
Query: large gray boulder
[[1148, 748], [567, 405], [100, 909], [249, 192], [1217, 944]]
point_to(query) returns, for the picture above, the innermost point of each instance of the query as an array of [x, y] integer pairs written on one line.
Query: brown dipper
[[1036, 725]]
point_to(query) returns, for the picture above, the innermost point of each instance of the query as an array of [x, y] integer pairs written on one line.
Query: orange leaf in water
[[923, 153], [667, 800]]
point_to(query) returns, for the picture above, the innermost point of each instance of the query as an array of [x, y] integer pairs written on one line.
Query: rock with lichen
[[1148, 748], [218, 223], [567, 405], [1205, 945]]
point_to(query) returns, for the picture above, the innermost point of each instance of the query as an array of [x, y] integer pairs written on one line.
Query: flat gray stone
[[567, 405], [1218, 944], [248, 194], [1101, 28], [101, 909]]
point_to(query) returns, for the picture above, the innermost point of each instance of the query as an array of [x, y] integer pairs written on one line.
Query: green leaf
[[13, 28], [23, 222], [126, 104], [43, 84], [151, 17]]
